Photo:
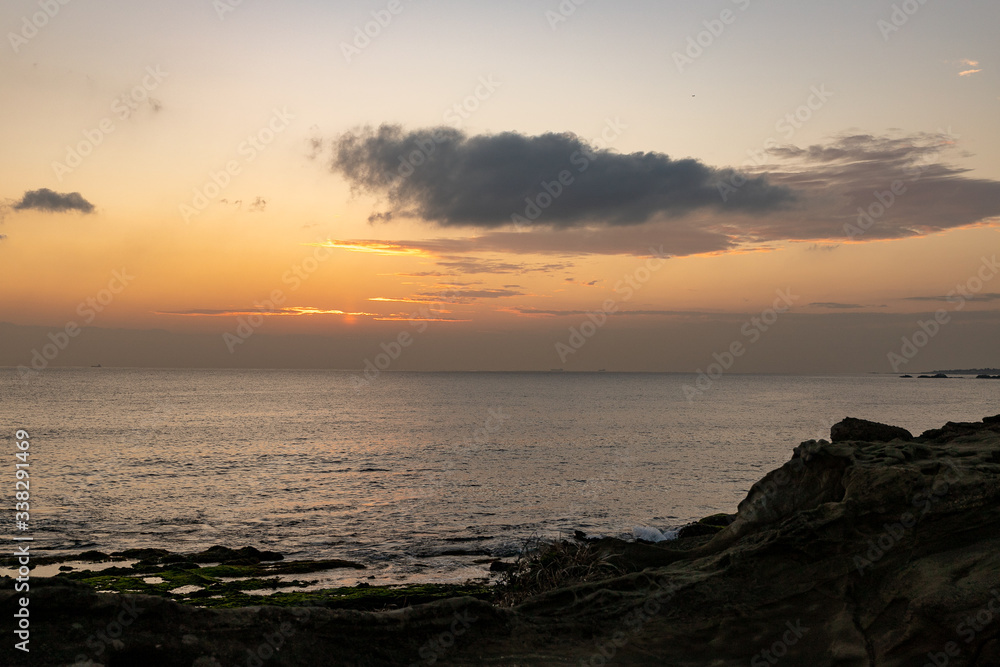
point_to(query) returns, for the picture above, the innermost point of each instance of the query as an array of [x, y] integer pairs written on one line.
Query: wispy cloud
[[833, 305], [375, 247], [410, 317], [440, 250], [545, 312], [983, 296], [454, 296], [972, 65], [279, 312]]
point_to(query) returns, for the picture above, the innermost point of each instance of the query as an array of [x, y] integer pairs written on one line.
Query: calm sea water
[[408, 472]]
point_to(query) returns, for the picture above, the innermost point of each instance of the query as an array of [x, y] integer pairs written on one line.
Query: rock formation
[[853, 553], [867, 431]]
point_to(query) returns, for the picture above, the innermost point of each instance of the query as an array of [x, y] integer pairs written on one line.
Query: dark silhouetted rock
[[697, 529], [227, 556], [152, 555], [867, 431], [953, 430], [848, 555], [720, 520]]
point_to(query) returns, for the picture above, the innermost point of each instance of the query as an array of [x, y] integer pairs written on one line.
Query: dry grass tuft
[[543, 566]]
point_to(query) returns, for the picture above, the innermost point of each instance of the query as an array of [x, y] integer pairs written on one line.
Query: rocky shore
[[879, 548]]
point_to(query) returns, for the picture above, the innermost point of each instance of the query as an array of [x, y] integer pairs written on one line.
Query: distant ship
[[96, 366]]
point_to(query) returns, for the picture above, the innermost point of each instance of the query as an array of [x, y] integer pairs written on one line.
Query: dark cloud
[[520, 310], [53, 202], [258, 205], [286, 310], [315, 142], [831, 182], [642, 241], [444, 176]]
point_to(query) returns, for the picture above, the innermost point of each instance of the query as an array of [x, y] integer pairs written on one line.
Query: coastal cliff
[[851, 553]]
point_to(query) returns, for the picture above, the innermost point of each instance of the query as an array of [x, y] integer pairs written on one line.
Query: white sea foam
[[651, 534]]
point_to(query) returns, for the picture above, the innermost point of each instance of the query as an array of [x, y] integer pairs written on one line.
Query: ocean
[[419, 476]]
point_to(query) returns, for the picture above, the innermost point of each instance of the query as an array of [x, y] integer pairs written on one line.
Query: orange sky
[[220, 182]]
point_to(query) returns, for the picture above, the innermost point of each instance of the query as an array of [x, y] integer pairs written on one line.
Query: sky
[[729, 186]]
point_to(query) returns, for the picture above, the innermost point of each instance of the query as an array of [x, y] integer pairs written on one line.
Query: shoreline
[[875, 547]]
